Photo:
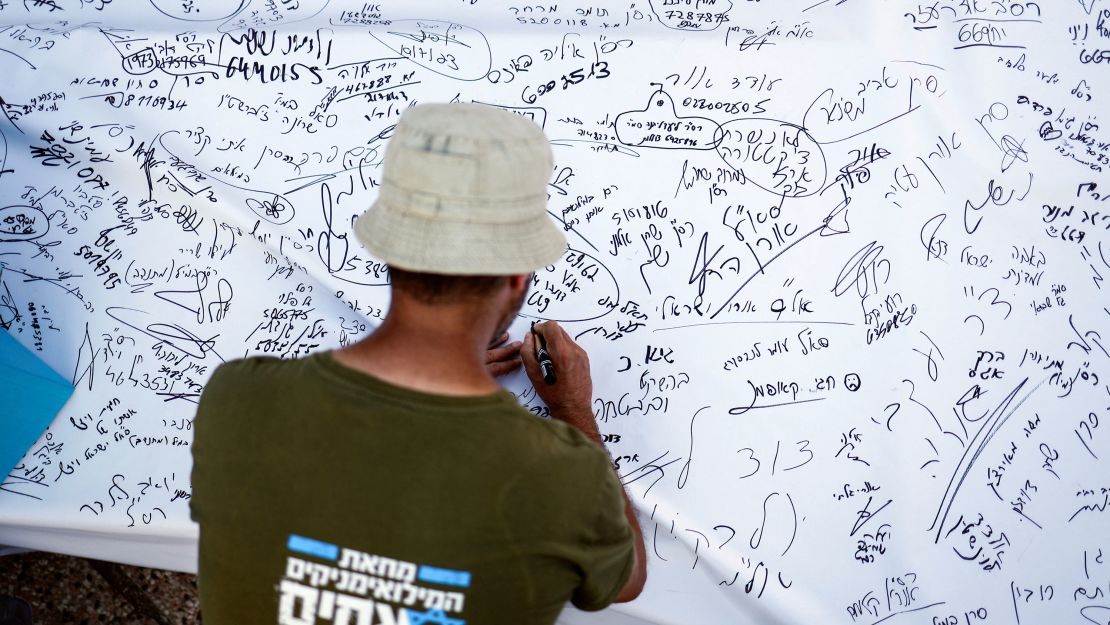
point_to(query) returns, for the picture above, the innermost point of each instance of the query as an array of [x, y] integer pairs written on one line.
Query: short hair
[[437, 288]]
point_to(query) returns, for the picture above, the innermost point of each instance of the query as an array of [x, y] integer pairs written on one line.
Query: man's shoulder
[[247, 364], [241, 371], [245, 383]]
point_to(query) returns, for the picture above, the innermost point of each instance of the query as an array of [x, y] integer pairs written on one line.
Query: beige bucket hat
[[463, 192]]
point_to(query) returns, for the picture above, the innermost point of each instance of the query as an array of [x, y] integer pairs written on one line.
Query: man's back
[[327, 495]]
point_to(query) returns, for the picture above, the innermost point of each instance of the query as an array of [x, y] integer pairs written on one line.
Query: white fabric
[[840, 268]]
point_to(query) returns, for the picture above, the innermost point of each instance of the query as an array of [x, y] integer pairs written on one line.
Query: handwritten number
[[751, 456], [802, 447]]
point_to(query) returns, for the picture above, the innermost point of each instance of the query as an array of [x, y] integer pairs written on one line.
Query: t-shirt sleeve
[[608, 548]]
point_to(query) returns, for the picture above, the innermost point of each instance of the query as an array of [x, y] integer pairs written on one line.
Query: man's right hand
[[571, 396]]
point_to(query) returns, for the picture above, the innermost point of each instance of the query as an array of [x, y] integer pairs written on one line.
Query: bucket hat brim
[[415, 241]]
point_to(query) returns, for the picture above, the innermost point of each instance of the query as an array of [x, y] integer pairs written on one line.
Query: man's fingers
[[528, 356], [528, 349], [502, 360], [498, 340], [501, 368], [510, 351], [545, 329], [557, 340], [567, 355]]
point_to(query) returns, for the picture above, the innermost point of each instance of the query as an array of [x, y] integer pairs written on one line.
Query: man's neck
[[435, 349]]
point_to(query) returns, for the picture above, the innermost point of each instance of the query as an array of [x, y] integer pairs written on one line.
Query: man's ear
[[519, 281]]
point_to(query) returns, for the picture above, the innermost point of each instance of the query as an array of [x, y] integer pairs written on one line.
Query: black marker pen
[[547, 367]]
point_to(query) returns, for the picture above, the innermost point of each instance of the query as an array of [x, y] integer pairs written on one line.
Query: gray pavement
[[65, 590]]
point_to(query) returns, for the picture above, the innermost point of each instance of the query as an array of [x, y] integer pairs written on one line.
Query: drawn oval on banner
[[658, 125], [197, 10], [22, 223], [446, 48], [708, 16], [276, 14], [774, 155], [274, 208], [577, 287]]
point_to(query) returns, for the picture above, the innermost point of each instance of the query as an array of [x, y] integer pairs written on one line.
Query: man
[[394, 481]]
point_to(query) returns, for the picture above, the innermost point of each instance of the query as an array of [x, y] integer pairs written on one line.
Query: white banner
[[840, 268]]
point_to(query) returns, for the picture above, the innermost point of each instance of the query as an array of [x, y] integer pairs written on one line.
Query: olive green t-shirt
[[326, 495]]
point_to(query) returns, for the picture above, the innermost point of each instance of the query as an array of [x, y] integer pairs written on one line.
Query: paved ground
[[64, 590]]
